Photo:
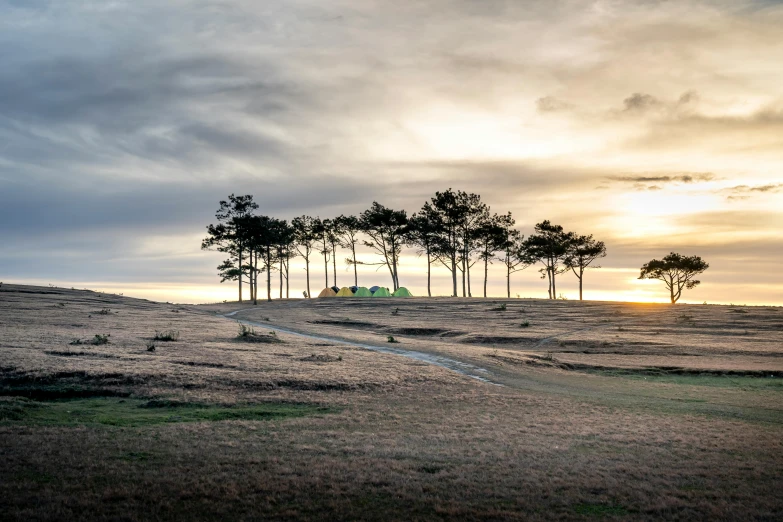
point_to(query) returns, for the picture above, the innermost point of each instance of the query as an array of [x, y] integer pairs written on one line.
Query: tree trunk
[[287, 273], [454, 273], [326, 271], [464, 293], [307, 271], [355, 274], [470, 294], [486, 274], [554, 287], [508, 280], [581, 275], [429, 270], [268, 262], [240, 275], [281, 278], [334, 265]]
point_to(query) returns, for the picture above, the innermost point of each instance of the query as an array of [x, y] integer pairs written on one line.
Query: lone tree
[[676, 271], [582, 253]]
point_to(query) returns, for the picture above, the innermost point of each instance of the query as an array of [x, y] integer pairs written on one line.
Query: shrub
[[245, 331], [95, 341], [526, 324], [501, 308], [391, 339], [166, 336]]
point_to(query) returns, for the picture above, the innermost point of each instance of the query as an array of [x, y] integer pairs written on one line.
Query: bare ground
[[607, 410]]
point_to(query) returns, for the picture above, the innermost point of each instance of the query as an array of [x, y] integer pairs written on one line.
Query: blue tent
[[374, 289]]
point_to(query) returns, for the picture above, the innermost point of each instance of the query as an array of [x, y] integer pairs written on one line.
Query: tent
[[362, 292], [381, 292], [374, 289], [335, 288], [402, 292], [353, 288], [345, 292], [327, 292]]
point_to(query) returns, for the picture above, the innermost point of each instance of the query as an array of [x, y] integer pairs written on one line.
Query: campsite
[[119, 408]]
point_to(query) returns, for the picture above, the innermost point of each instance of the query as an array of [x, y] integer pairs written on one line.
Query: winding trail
[[463, 368]]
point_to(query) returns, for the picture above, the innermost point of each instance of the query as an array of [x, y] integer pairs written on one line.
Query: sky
[[657, 126]]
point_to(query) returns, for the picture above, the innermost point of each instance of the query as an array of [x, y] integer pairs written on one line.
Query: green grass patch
[[112, 411], [720, 381]]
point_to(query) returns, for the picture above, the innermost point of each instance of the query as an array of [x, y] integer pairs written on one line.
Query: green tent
[[362, 292], [344, 292], [381, 292], [402, 292]]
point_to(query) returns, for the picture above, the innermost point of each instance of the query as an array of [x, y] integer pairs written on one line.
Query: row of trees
[[453, 229]]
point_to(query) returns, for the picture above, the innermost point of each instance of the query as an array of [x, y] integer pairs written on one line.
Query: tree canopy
[[676, 271]]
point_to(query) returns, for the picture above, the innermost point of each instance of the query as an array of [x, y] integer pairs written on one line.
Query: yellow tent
[[345, 292], [327, 292]]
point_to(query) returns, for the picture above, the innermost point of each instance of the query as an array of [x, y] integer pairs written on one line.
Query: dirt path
[[461, 367]]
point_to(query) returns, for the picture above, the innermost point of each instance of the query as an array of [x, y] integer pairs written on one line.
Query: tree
[[321, 230], [305, 239], [265, 235], [424, 231], [284, 252], [514, 256], [583, 252], [490, 237], [549, 246], [228, 236], [349, 228], [474, 214], [676, 271], [450, 214], [333, 232], [387, 230]]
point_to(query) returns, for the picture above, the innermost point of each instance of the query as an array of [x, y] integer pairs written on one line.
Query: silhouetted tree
[[424, 231], [265, 234], [349, 228], [549, 245], [490, 237], [449, 246], [321, 230], [386, 229], [676, 271], [305, 240], [227, 236], [514, 256], [284, 251], [582, 253], [474, 215]]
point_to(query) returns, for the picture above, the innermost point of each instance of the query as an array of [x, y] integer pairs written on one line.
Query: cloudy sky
[[654, 125]]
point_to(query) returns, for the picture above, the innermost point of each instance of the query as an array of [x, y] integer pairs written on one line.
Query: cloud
[[552, 104], [656, 181], [640, 102], [746, 191]]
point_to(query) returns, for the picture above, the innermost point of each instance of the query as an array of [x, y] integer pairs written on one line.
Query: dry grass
[[407, 440]]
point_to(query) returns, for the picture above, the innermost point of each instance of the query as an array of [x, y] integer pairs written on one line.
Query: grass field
[[113, 408]]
